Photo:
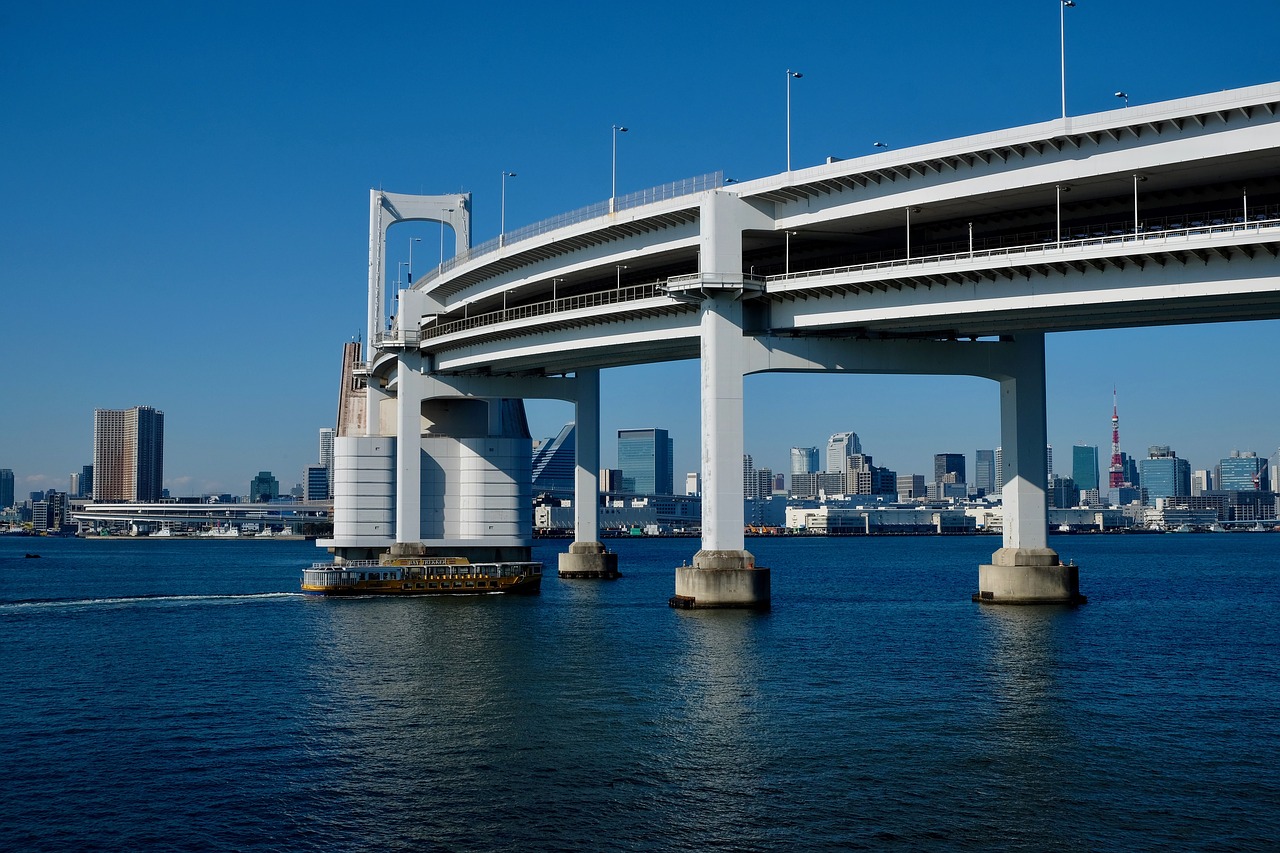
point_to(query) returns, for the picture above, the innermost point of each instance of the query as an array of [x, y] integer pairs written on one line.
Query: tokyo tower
[[1117, 468]]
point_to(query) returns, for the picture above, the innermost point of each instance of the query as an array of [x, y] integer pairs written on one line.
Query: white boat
[[227, 532]]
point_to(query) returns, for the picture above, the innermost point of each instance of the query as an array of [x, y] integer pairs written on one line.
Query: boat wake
[[139, 600]]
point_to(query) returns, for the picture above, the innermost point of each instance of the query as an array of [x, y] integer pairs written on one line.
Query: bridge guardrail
[[662, 192], [630, 293], [1145, 237]]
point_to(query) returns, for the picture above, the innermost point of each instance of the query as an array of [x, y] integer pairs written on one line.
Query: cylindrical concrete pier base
[[589, 560], [1028, 576], [722, 579]]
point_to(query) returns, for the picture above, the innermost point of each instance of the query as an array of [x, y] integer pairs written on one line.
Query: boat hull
[[411, 578]]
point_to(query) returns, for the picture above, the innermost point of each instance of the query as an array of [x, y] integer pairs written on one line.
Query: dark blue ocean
[[172, 695]]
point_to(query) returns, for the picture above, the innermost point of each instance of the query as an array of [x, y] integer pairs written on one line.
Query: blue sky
[[184, 200]]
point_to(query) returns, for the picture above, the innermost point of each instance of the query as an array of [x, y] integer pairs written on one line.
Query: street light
[[502, 226], [910, 210], [613, 187], [618, 288], [554, 281], [786, 262], [1062, 47], [796, 75], [412, 240], [879, 145], [446, 210], [1124, 95], [1137, 179], [1060, 189]]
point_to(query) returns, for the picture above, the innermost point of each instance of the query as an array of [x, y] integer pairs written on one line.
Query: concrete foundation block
[[1026, 577], [722, 579], [589, 560]]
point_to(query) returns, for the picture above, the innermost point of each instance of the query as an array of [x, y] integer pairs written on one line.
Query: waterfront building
[[693, 483], [984, 472], [1201, 482], [554, 462], [1084, 467], [1062, 493], [803, 486], [315, 483], [911, 487], [804, 460], [6, 488], [645, 457], [263, 488], [1243, 472], [840, 447], [1164, 475], [128, 454]]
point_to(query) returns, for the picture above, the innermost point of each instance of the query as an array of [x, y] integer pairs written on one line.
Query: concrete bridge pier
[[1026, 570], [587, 557], [724, 573]]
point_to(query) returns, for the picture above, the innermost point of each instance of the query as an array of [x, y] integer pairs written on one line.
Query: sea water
[[181, 695]]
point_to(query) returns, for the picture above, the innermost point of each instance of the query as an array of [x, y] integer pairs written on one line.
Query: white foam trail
[[140, 599]]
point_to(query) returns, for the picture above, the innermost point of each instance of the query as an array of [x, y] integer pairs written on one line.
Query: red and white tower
[[1117, 467]]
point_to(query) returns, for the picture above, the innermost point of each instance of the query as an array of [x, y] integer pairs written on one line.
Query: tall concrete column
[[1026, 570], [410, 390], [724, 573], [587, 557]]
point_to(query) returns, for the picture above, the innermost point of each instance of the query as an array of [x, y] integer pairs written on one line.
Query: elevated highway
[[954, 257]]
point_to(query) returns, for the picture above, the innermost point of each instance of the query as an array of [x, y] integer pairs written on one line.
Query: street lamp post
[[1062, 48], [786, 263], [412, 240], [790, 75], [618, 286], [554, 281], [502, 225], [1124, 95], [1137, 179], [613, 186]]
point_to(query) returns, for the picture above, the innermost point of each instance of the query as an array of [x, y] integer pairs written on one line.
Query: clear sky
[[184, 200]]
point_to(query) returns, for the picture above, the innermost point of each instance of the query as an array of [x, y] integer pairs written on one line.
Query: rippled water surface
[[181, 696]]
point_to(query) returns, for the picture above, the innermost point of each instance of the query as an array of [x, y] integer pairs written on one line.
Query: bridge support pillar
[[408, 456], [587, 557], [724, 573], [1026, 570]]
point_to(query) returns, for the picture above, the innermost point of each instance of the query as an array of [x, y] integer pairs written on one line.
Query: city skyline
[[241, 295]]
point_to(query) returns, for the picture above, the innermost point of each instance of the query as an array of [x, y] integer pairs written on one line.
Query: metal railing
[[1092, 238], [630, 293], [675, 189]]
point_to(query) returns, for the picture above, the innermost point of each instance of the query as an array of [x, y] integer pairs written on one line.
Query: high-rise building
[[326, 453], [1084, 467], [1164, 475], [693, 483], [86, 481], [984, 472], [948, 463], [554, 462], [263, 488], [645, 457], [1243, 472], [804, 460], [128, 454], [315, 483], [74, 491], [840, 447], [1201, 483], [6, 488]]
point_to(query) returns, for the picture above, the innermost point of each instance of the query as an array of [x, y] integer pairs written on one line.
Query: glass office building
[[646, 460]]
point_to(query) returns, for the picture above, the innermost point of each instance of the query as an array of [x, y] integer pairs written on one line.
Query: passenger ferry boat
[[422, 576]]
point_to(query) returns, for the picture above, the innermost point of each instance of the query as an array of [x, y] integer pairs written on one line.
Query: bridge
[[950, 258]]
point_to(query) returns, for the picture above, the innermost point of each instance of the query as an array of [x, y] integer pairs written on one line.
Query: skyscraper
[[315, 483], [1084, 467], [839, 448], [555, 461], [645, 457], [6, 488], [984, 472], [263, 488], [804, 460], [1243, 472], [326, 453], [128, 454], [1164, 475], [948, 463]]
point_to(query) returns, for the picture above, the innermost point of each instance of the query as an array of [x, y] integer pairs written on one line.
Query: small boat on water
[[422, 576]]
